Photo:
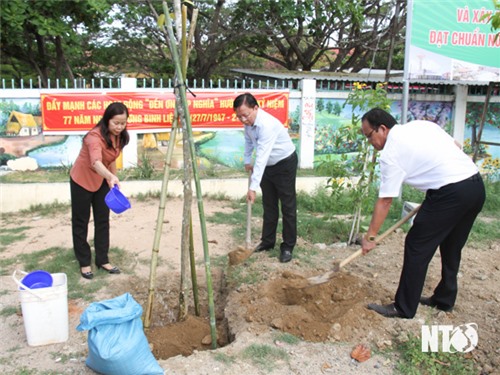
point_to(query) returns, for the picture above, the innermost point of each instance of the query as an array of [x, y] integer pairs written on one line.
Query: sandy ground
[[330, 319]]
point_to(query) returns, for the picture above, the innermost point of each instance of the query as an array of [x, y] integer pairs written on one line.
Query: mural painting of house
[[23, 124]]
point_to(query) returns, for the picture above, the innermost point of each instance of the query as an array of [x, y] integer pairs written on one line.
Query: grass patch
[[306, 255], [224, 358], [143, 197], [41, 175], [484, 231], [219, 261], [244, 274], [11, 235], [153, 170], [14, 348], [322, 229], [287, 338], [265, 356], [415, 362], [492, 204], [47, 209], [9, 310], [318, 219], [27, 371], [236, 218]]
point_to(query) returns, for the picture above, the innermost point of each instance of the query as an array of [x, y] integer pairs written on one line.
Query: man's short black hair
[[247, 99], [376, 117]]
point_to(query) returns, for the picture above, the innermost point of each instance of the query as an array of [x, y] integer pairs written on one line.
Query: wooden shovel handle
[[382, 236], [248, 240]]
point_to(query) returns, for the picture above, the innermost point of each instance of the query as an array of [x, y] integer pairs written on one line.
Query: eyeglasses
[[369, 135], [244, 117]]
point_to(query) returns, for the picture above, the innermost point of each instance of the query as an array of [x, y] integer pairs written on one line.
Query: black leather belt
[[475, 177]]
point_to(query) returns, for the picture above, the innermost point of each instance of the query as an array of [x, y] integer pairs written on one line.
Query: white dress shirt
[[271, 142], [422, 155]]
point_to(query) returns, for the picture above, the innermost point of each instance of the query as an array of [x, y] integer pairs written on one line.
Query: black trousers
[[445, 220], [278, 186], [81, 202]]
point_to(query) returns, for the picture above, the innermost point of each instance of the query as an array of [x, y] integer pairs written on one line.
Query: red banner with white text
[[66, 113]]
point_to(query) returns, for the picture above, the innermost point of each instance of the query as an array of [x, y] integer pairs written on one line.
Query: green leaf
[[161, 20]]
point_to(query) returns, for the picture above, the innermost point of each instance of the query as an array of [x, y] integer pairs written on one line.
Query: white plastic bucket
[[45, 311]]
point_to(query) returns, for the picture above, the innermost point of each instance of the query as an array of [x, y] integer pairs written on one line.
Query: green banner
[[450, 41]]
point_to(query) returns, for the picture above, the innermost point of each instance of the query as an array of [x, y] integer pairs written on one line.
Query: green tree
[[337, 110], [494, 18], [298, 34], [361, 165], [42, 34], [132, 44], [329, 107], [320, 105], [215, 45]]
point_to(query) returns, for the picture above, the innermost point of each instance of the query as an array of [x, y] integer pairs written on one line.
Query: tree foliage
[[97, 38], [42, 35], [299, 34]]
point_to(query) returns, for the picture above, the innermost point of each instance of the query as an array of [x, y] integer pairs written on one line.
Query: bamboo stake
[[159, 224], [186, 221], [189, 46], [187, 246], [160, 218], [194, 278], [188, 191], [182, 92]]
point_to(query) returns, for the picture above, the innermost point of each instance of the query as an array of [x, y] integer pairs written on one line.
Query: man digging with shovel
[[424, 156], [274, 169]]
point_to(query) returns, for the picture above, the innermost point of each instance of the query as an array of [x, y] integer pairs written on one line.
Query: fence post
[[307, 124]]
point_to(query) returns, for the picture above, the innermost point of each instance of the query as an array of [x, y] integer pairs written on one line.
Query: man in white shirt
[[274, 170], [424, 156]]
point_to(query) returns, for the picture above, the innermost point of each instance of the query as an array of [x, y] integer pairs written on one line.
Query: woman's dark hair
[[116, 108], [376, 117], [247, 99]]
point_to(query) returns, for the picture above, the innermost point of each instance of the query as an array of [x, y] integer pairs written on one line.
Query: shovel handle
[[249, 225], [380, 238], [248, 240]]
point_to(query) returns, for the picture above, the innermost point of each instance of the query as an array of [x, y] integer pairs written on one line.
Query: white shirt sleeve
[[391, 180]]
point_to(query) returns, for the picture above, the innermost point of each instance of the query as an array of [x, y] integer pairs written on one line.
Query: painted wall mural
[[21, 134]]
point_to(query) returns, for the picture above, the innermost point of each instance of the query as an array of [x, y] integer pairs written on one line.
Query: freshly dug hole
[[335, 310]]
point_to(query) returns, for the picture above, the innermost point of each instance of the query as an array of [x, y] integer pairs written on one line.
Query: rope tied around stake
[[187, 88]]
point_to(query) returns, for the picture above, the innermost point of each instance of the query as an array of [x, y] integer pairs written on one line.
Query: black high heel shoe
[[112, 270], [87, 275]]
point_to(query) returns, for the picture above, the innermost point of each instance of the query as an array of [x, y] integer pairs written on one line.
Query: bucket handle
[[21, 285]]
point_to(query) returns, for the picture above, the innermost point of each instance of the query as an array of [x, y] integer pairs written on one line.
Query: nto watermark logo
[[462, 338]]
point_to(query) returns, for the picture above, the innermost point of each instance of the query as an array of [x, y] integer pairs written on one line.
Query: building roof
[[23, 119], [365, 75]]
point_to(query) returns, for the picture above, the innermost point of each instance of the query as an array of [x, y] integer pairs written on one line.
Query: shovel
[[241, 254], [320, 279]]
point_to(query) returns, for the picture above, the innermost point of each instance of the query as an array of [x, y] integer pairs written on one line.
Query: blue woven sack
[[116, 340]]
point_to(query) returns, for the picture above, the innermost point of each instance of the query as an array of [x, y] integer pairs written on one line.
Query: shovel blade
[[239, 255], [321, 279]]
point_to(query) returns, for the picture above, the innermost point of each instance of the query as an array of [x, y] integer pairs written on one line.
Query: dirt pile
[[333, 311]]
